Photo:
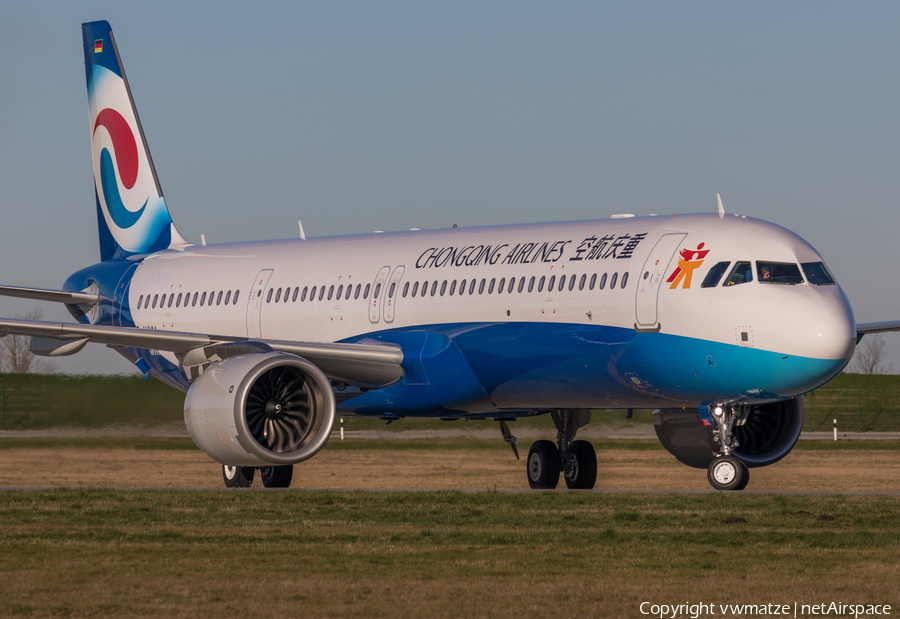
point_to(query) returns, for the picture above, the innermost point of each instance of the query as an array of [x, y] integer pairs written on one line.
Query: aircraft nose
[[830, 326]]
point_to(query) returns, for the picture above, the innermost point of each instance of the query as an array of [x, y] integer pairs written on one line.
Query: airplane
[[717, 322]]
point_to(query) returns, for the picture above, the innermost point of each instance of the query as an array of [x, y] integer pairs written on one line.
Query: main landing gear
[[272, 476], [575, 460], [726, 471]]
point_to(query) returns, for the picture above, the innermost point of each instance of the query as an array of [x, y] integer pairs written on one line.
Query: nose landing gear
[[726, 471]]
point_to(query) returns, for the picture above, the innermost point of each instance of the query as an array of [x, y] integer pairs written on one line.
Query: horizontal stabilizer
[[876, 327], [85, 299]]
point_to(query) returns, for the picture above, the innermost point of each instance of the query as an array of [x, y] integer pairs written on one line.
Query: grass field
[[35, 401], [81, 553]]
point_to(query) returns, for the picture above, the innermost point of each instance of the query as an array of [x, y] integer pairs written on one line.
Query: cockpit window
[[740, 274], [715, 274], [817, 273], [778, 273]]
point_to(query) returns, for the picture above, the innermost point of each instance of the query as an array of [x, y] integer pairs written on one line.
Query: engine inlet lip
[[320, 389]]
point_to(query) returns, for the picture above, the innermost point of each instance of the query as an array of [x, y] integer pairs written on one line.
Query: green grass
[[440, 554], [403, 444], [36, 401]]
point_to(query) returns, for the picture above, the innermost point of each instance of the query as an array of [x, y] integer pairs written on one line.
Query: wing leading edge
[[367, 364], [876, 327]]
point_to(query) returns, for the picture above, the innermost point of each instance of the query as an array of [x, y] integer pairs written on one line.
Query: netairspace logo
[[694, 611]]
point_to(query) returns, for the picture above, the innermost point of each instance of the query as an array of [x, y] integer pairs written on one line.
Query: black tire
[[727, 473], [277, 476], [746, 479], [584, 475], [543, 465], [237, 476]]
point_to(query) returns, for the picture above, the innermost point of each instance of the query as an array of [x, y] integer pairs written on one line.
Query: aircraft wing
[[57, 296], [876, 327], [371, 364]]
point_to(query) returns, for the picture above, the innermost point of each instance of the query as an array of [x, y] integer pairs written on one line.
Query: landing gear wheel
[[728, 473], [277, 476], [543, 465], [583, 475], [237, 476]]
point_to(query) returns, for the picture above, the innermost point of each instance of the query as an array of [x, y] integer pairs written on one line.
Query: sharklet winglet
[[721, 208]]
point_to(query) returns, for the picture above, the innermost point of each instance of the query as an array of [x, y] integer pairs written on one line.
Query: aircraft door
[[378, 291], [393, 290], [254, 303], [651, 276]]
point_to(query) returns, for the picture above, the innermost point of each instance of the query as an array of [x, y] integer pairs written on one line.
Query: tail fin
[[131, 211]]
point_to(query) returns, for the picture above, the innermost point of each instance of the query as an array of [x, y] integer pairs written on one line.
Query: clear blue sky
[[362, 116]]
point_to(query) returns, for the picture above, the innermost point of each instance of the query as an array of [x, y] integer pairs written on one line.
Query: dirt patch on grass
[[436, 468]]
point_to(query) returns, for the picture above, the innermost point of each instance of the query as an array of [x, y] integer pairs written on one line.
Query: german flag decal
[[98, 46]]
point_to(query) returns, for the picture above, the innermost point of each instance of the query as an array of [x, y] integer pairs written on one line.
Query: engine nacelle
[[769, 434], [260, 410]]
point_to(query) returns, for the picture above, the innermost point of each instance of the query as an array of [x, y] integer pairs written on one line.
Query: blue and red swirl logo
[[127, 162]]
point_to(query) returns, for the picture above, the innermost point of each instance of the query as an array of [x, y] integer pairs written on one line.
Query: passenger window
[[366, 293], [405, 289], [155, 299], [593, 281], [602, 282], [303, 294], [171, 299], [443, 287], [462, 287], [356, 294], [512, 284], [581, 282], [293, 300], [162, 301], [349, 290], [778, 273], [415, 288], [202, 300], [277, 296], [491, 286], [268, 296], [219, 298], [817, 273], [741, 273], [472, 287], [194, 302], [238, 292], [541, 283], [140, 301], [531, 284], [433, 287], [522, 284], [391, 291], [501, 286], [330, 292], [452, 287], [287, 293], [715, 274], [612, 282], [312, 295], [228, 297], [624, 280], [572, 283], [481, 286], [321, 292], [562, 283], [551, 283], [340, 292]]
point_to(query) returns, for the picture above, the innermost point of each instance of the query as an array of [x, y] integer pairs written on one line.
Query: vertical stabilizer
[[131, 211]]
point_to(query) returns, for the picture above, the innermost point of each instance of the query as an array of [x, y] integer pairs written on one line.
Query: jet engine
[[260, 409], [768, 434]]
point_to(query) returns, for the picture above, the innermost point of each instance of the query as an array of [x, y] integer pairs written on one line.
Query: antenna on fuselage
[[721, 208], [302, 233]]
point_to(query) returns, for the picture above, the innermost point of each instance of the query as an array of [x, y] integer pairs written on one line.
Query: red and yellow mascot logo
[[688, 261]]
